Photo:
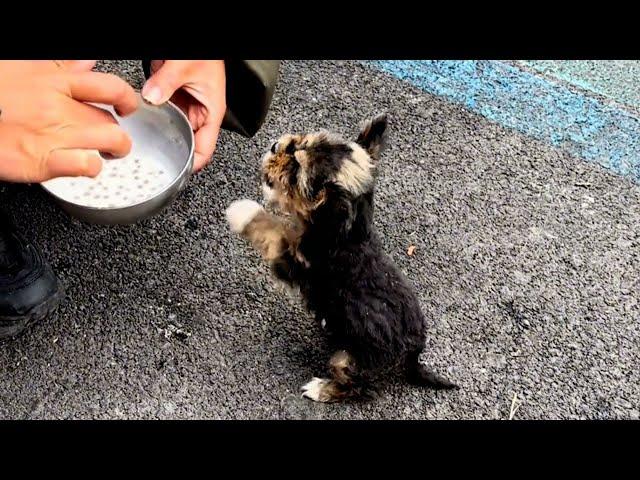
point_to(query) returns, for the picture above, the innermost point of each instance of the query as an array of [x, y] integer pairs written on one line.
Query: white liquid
[[121, 183]]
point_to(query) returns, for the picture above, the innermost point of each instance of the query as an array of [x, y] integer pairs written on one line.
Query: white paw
[[241, 212], [313, 389]]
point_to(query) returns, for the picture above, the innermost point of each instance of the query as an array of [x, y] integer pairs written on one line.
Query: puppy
[[328, 248]]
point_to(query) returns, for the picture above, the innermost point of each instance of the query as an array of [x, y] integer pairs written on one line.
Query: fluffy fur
[[328, 249]]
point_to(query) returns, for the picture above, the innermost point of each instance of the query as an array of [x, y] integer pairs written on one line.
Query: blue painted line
[[532, 105]]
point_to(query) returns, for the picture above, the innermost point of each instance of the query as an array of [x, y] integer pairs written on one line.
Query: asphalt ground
[[526, 263]]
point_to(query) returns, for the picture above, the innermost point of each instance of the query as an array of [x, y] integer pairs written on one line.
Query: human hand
[[31, 156], [197, 87], [43, 66], [46, 129]]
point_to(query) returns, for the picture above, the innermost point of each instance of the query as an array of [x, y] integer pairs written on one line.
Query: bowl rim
[[178, 178]]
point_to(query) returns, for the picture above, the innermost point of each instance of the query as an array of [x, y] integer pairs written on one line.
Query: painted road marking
[[535, 106], [618, 80]]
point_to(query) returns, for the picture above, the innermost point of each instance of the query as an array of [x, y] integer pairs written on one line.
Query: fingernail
[[152, 95]]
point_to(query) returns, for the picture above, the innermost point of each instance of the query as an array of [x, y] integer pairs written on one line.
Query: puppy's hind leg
[[419, 374], [345, 382]]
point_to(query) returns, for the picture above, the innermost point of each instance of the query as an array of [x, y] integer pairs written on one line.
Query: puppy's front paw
[[314, 390], [241, 212]]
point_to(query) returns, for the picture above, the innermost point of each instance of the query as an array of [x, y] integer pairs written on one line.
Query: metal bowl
[[161, 156]]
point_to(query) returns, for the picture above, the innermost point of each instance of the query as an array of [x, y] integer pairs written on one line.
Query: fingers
[[77, 154], [104, 138], [78, 65], [104, 88], [205, 144], [72, 163], [171, 75], [84, 114], [206, 137]]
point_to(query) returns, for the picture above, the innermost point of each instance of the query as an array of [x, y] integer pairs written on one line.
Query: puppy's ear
[[373, 136]]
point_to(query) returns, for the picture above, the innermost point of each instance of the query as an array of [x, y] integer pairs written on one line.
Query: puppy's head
[[302, 173]]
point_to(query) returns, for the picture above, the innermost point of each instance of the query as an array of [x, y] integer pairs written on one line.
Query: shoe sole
[[11, 327]]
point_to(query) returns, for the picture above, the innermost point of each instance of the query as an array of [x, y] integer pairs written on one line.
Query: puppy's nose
[[274, 147]]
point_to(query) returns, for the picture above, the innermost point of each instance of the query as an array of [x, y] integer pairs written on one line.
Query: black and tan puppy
[[328, 248]]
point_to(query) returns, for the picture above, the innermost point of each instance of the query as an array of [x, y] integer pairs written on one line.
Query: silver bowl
[[162, 142]]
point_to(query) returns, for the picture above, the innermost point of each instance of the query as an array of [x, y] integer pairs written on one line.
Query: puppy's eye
[[267, 181], [291, 149], [274, 147]]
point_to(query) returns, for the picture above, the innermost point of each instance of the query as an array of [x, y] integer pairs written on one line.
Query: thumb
[[73, 163], [165, 81]]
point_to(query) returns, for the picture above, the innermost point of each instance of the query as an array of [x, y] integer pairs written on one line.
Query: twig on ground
[[515, 405]]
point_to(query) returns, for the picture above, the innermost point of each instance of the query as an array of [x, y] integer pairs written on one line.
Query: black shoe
[[29, 290]]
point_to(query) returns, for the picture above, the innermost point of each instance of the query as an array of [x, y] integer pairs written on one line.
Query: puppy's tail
[[418, 374]]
